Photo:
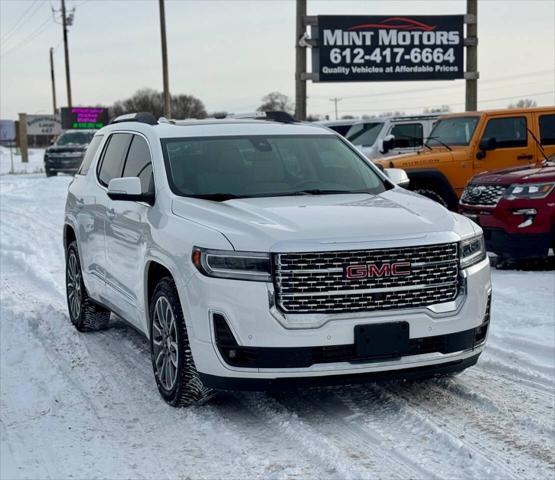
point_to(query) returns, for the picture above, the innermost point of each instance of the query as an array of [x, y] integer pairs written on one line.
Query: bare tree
[[442, 109], [391, 114], [276, 101], [347, 117], [524, 103], [150, 100]]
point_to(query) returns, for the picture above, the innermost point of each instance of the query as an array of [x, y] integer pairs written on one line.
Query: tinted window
[[139, 164], [508, 132], [89, 155], [266, 166], [112, 161], [408, 135], [453, 131], [547, 129], [364, 134]]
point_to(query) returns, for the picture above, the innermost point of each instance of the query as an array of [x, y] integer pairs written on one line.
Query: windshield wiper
[[218, 197], [440, 142]]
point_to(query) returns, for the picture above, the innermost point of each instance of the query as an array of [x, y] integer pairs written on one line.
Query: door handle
[[525, 157], [111, 213]]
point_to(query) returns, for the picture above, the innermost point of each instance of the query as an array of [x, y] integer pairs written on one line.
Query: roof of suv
[[216, 128]]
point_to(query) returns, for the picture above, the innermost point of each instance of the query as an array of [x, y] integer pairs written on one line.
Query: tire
[[172, 361], [50, 173], [84, 313], [432, 193]]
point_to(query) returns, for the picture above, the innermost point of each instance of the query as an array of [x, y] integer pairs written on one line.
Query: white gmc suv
[[260, 255]]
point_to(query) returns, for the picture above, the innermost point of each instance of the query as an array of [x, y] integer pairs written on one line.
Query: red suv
[[516, 209]]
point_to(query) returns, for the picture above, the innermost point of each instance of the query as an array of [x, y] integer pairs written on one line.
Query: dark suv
[[66, 155], [516, 209]]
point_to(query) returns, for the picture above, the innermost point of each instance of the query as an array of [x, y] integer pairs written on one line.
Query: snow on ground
[[85, 405], [34, 165]]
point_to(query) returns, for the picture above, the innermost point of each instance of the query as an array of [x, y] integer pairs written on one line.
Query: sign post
[[23, 145], [471, 42], [300, 63]]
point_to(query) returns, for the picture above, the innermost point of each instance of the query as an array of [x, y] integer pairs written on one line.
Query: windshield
[[453, 131], [220, 168], [78, 138], [364, 134]]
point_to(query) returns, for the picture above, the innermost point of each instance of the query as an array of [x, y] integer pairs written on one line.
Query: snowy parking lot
[[86, 405]]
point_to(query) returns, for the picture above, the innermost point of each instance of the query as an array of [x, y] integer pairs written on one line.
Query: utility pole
[[55, 108], [471, 43], [300, 63], [65, 22], [167, 99], [335, 100]]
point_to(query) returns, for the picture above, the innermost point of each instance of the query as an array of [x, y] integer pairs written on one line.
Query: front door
[[513, 145], [128, 234]]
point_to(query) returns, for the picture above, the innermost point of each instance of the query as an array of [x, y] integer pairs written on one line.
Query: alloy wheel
[[164, 340], [74, 292]]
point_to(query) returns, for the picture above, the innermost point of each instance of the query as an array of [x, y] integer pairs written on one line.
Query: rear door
[[546, 127], [127, 234], [408, 137], [110, 166], [515, 147]]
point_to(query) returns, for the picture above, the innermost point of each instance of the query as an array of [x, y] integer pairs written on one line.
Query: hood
[[523, 174], [421, 157], [326, 222]]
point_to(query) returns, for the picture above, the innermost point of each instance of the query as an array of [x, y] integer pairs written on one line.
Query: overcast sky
[[230, 53]]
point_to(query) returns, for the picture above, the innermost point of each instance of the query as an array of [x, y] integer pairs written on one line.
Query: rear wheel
[[172, 361], [83, 312]]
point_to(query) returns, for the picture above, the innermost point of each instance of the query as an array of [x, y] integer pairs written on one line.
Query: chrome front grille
[[483, 194], [315, 282]]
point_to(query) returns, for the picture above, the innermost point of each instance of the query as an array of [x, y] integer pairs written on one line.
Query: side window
[[139, 163], [508, 132], [547, 129], [89, 155], [408, 135], [112, 160]]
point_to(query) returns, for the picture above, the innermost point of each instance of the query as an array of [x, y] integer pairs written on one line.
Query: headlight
[[231, 264], [529, 190], [472, 251]]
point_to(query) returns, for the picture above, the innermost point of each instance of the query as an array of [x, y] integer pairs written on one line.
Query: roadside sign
[[387, 48], [84, 117], [7, 130], [43, 125]]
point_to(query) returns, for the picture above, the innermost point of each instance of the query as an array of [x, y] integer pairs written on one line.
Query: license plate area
[[383, 340]]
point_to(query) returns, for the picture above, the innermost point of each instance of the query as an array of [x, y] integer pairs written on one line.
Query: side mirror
[[387, 143], [129, 189], [398, 176], [488, 144]]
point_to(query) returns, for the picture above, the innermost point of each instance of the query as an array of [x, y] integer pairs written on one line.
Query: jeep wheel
[[172, 361], [83, 312], [432, 194]]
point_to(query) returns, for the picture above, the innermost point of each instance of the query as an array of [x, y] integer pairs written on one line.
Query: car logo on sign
[[370, 270]]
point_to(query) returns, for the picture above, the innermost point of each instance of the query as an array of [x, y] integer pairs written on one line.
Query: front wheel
[[172, 361]]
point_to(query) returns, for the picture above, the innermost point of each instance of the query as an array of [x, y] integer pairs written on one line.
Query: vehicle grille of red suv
[[487, 195], [316, 282]]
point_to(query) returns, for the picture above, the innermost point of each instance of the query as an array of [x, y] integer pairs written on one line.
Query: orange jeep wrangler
[[464, 144]]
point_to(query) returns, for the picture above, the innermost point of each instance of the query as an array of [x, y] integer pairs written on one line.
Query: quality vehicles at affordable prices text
[[259, 255], [465, 144]]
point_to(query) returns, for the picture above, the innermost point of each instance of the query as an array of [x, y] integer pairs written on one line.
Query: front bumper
[[68, 164], [246, 308]]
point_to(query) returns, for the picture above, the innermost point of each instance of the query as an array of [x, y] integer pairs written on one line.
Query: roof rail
[[273, 115], [142, 117]]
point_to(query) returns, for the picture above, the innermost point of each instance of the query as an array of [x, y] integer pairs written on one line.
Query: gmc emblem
[[398, 269]]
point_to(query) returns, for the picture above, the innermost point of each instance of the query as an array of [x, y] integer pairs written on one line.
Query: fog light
[[232, 353], [528, 214]]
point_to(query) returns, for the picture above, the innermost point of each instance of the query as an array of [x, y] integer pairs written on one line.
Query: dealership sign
[[385, 48], [84, 117], [7, 130], [43, 125]]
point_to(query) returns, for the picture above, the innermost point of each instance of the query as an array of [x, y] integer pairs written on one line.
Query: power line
[[15, 26], [35, 33], [417, 90], [453, 104]]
